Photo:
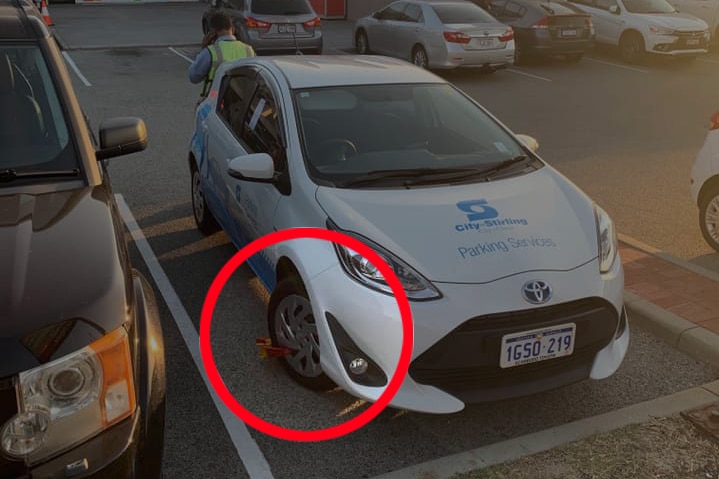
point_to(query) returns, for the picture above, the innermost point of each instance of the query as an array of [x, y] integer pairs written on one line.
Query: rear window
[[33, 131], [462, 13], [281, 7]]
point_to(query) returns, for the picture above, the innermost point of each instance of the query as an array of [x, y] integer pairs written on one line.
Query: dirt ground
[[663, 448]]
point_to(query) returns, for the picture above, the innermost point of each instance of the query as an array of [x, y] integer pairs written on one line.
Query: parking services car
[[513, 274], [82, 376], [705, 184]]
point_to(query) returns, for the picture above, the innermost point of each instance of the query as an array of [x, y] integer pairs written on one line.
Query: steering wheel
[[339, 148]]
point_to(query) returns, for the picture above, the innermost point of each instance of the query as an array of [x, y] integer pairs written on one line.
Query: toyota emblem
[[536, 291]]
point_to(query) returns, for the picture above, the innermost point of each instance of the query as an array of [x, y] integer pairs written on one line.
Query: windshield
[[453, 13], [350, 132], [280, 7], [33, 133], [648, 6]]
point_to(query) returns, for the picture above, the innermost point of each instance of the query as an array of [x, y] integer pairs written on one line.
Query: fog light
[[24, 433], [358, 366]]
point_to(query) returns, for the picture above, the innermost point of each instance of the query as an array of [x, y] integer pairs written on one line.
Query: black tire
[[574, 57], [631, 48], [204, 220], [362, 43], [709, 217], [290, 297], [419, 57]]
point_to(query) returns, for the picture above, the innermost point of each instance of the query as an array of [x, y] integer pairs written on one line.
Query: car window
[[34, 132], [280, 7], [261, 132], [513, 11], [498, 7], [648, 6], [413, 13], [604, 4], [393, 12], [453, 13], [353, 130], [236, 91]]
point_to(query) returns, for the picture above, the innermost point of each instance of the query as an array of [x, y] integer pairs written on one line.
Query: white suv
[[705, 184], [639, 27]]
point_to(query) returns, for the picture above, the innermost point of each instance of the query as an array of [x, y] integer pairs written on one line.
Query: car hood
[[474, 233], [676, 21], [62, 277]]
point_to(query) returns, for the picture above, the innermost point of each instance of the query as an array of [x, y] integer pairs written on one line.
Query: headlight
[[69, 400], [660, 30], [607, 240], [362, 270]]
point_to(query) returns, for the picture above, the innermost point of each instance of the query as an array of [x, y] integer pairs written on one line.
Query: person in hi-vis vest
[[219, 45]]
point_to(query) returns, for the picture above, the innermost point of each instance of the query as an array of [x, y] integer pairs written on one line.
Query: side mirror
[[252, 167], [121, 136], [529, 142], [614, 9], [377, 15]]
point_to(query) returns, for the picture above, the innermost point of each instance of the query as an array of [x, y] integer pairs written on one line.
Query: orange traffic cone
[[45, 13]]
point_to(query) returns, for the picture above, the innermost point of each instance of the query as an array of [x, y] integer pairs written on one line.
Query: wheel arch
[[709, 185]]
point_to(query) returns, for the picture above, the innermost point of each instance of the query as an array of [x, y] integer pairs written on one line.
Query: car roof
[[21, 20], [308, 71]]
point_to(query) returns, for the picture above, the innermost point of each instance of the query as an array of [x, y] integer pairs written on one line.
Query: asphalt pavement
[[602, 124]]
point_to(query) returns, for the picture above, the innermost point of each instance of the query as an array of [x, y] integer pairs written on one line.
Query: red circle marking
[[293, 434]]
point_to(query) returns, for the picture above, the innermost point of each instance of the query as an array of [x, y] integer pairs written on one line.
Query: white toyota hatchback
[[512, 273]]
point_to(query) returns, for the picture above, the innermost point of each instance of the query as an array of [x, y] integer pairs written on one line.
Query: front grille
[[8, 408], [695, 34], [465, 362]]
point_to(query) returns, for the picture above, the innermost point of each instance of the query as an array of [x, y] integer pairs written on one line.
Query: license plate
[[692, 41], [537, 345], [289, 28], [569, 33], [485, 43]]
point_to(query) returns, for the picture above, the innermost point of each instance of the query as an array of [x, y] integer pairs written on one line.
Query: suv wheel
[[709, 217], [631, 47]]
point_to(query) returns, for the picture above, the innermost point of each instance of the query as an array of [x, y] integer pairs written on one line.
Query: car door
[[236, 91], [381, 34], [408, 31], [254, 203]]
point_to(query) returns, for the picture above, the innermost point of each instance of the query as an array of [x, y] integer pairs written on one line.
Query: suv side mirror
[[529, 141], [377, 15], [253, 167], [121, 136], [614, 9]]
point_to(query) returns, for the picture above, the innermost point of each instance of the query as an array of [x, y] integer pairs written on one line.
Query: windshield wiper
[[470, 173], [9, 174], [377, 175]]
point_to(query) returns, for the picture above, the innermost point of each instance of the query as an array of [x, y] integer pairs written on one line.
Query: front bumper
[[455, 359], [678, 45]]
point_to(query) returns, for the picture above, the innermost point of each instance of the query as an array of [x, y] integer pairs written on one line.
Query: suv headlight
[[71, 399], [660, 30], [361, 269], [607, 239]]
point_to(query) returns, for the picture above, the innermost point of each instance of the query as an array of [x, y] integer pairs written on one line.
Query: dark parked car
[[272, 26], [543, 28], [82, 371]]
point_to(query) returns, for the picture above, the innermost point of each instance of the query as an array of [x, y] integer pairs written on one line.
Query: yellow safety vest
[[225, 50]]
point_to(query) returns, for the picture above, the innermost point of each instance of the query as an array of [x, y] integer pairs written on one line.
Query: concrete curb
[[689, 338]]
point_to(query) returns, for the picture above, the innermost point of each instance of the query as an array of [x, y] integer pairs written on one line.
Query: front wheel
[[709, 217], [362, 43], [631, 48], [292, 325]]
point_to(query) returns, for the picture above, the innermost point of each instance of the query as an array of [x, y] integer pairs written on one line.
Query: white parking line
[[75, 68], [706, 60], [180, 54], [537, 77], [247, 449], [634, 69]]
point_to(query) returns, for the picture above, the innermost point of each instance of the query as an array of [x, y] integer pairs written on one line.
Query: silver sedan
[[437, 34]]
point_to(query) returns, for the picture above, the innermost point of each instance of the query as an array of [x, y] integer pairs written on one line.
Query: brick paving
[[687, 294]]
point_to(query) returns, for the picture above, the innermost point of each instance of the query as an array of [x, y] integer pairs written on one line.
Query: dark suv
[[82, 376]]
